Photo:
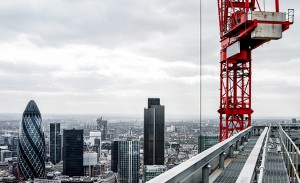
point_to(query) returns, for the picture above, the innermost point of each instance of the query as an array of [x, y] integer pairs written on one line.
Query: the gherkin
[[31, 145]]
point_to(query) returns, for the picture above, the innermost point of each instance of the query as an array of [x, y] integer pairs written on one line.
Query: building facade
[[151, 171], [207, 141], [128, 161], [31, 144], [102, 127], [55, 143], [114, 156], [73, 152], [154, 138]]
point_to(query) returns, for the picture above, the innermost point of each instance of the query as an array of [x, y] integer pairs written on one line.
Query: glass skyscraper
[[154, 135], [114, 156], [31, 144], [128, 161], [55, 143], [73, 152]]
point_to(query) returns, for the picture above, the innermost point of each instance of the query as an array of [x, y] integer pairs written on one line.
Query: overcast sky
[[276, 66], [99, 56]]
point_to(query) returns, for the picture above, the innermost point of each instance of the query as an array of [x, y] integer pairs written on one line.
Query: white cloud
[[81, 78]]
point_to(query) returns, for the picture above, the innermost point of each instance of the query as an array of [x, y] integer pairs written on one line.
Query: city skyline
[[275, 73], [78, 57]]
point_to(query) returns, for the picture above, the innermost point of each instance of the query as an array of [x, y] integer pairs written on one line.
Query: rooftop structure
[[256, 154]]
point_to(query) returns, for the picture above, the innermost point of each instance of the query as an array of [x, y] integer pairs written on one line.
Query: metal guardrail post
[[242, 140], [222, 159], [246, 137], [205, 173], [231, 148], [237, 145]]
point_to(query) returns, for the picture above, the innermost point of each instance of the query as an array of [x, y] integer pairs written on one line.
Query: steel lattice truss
[[242, 29]]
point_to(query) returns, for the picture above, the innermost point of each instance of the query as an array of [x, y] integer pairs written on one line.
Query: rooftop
[[256, 154]]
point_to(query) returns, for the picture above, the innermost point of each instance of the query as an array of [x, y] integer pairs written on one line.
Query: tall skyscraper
[[73, 152], [126, 157], [154, 125], [102, 127], [31, 144], [55, 143], [114, 155]]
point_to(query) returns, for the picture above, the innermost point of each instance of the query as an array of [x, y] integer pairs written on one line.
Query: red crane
[[243, 28]]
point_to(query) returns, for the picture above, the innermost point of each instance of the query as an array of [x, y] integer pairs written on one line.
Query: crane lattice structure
[[243, 28]]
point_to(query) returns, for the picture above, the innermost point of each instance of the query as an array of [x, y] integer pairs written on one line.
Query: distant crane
[[242, 29]]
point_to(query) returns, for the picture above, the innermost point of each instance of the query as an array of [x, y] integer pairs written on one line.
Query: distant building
[[175, 146], [130, 132], [90, 159], [151, 171], [73, 152], [114, 156], [94, 143], [6, 155], [95, 137], [207, 141], [102, 127], [154, 125], [294, 120], [127, 160], [55, 143], [116, 133], [31, 146]]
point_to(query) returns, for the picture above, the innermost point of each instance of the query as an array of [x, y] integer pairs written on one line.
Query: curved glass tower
[[31, 146]]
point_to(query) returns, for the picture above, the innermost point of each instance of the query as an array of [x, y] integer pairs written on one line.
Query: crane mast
[[243, 28]]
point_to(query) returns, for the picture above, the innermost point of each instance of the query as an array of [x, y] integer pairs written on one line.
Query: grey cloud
[[109, 24], [182, 70], [11, 67]]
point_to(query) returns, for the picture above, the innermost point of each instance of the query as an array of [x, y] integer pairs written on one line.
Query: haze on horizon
[[99, 57]]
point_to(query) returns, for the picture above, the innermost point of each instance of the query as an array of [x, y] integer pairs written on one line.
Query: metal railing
[[291, 155], [290, 15], [248, 173], [264, 157], [188, 171]]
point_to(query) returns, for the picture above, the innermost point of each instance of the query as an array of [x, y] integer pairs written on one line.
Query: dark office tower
[[153, 101], [154, 125], [128, 161], [55, 143], [73, 152], [114, 156], [31, 144], [102, 127]]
